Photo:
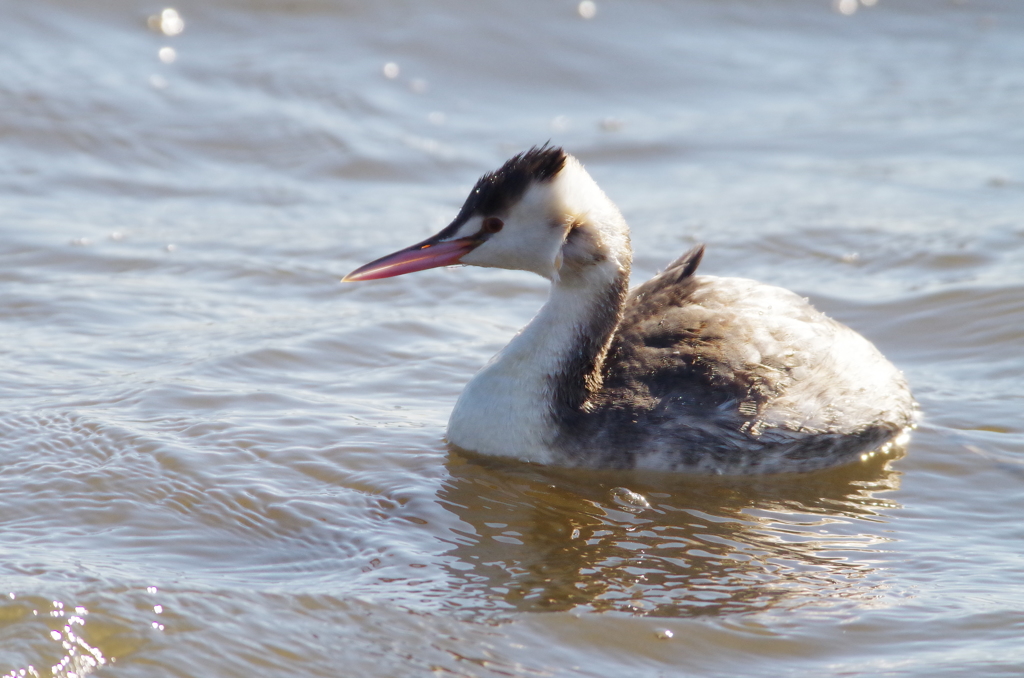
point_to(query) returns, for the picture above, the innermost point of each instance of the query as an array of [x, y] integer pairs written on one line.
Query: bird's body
[[683, 373]]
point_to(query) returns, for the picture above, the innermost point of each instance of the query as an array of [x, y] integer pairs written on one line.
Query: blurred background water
[[215, 460]]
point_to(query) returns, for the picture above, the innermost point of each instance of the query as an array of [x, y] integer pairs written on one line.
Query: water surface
[[216, 460]]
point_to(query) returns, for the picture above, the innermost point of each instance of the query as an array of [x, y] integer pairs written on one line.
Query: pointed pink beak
[[416, 258]]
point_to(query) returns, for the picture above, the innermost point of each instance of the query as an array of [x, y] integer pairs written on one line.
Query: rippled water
[[215, 460]]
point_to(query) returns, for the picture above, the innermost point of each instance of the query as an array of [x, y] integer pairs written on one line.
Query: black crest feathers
[[498, 190]]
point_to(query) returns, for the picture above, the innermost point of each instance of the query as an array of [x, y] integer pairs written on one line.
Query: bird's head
[[539, 212]]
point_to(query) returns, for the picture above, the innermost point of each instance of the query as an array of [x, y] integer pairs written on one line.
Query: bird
[[684, 373]]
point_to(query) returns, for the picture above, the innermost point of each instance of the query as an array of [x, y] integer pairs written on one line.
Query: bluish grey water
[[216, 460]]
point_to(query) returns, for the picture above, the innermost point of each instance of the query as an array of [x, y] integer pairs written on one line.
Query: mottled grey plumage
[[727, 375]]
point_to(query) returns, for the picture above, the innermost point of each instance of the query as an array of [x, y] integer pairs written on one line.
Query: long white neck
[[516, 403]]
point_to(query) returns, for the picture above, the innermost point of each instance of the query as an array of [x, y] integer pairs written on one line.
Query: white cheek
[[470, 228], [528, 252]]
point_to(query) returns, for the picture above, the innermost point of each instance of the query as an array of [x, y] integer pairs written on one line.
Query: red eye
[[492, 225]]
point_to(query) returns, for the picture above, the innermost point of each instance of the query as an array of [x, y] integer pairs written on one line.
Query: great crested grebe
[[683, 373]]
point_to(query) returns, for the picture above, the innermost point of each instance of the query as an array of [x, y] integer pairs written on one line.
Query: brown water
[[215, 460]]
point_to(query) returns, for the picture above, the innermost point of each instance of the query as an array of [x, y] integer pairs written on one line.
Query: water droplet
[[168, 22], [391, 70], [171, 22], [167, 55], [845, 7], [627, 497], [664, 634], [587, 9]]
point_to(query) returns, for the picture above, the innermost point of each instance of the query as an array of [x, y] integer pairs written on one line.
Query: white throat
[[514, 406], [507, 408]]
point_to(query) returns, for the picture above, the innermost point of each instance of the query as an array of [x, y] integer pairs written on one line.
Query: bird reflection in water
[[549, 539]]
